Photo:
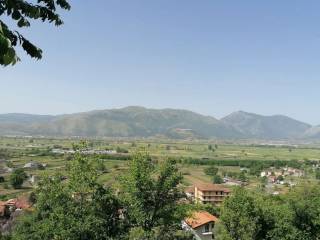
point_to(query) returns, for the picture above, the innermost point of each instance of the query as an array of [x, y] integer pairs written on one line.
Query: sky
[[211, 57]]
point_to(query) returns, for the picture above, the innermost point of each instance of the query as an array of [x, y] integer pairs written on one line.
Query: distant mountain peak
[[270, 127], [137, 121]]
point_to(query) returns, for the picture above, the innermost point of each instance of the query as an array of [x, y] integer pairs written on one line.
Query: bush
[[217, 179], [17, 178], [121, 150], [211, 171]]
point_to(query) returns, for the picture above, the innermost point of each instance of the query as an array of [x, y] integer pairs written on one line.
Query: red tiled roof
[[22, 203], [11, 202], [200, 218], [2, 210], [189, 189]]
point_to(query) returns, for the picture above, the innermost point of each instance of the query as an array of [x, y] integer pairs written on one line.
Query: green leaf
[[10, 57], [16, 15], [32, 50], [23, 23], [3, 45]]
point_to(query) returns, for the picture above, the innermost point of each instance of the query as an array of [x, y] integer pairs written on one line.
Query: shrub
[[17, 178]]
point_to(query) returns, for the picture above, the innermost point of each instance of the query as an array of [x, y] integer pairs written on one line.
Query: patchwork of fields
[[16, 152]]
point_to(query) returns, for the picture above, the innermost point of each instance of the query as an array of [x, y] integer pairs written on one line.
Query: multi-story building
[[210, 193]]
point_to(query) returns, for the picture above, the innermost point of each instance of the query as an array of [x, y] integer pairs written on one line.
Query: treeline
[[254, 166], [123, 157], [242, 163]]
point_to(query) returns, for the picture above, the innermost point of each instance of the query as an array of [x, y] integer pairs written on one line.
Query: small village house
[[11, 205], [201, 225]]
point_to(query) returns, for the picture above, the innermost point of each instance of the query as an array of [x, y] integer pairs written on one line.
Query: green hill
[[266, 127], [144, 122], [125, 122]]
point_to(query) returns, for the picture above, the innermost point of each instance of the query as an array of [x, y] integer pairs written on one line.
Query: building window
[[207, 228]]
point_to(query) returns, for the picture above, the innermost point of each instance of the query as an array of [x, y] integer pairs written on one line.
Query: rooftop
[[200, 218], [211, 187]]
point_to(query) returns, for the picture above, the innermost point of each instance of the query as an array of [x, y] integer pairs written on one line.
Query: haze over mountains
[[171, 123]]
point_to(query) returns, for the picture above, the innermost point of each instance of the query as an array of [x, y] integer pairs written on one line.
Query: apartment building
[[210, 193]]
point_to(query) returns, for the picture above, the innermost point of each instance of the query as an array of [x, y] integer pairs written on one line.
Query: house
[[10, 206], [3, 209], [210, 193], [8, 170], [33, 179], [272, 179], [34, 165], [266, 173], [189, 191], [232, 182], [201, 225], [294, 172]]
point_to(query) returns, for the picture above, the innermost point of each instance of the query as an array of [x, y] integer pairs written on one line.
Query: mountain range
[[170, 123]]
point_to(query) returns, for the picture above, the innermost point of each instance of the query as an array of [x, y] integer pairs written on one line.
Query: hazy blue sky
[[213, 57]]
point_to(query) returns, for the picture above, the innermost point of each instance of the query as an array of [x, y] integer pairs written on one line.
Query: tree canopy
[[22, 12], [250, 215], [17, 178], [79, 207], [150, 195]]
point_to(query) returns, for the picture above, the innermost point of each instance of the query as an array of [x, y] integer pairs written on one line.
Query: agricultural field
[[193, 158]]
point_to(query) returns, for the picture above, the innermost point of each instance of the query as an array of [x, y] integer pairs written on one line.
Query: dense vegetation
[[255, 166], [248, 215], [127, 196], [80, 208], [148, 207]]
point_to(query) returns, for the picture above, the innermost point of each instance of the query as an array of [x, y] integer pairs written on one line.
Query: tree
[[100, 166], [121, 150], [318, 174], [248, 215], [242, 176], [280, 178], [240, 216], [4, 154], [17, 178], [79, 208], [211, 171], [264, 181], [217, 179], [22, 12], [304, 202], [151, 193]]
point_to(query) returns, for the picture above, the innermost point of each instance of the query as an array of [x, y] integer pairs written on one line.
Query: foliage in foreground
[[295, 216], [78, 208], [81, 208], [22, 13], [150, 195]]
